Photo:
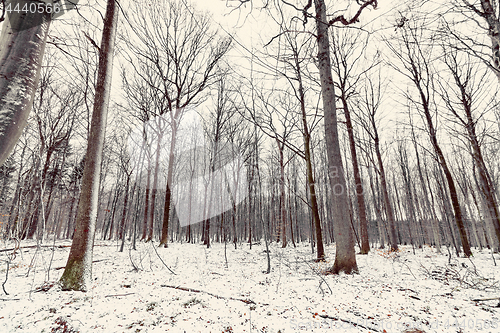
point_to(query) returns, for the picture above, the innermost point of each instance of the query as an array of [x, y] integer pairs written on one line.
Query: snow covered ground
[[394, 292]]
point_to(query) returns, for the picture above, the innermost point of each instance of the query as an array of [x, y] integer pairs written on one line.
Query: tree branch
[[355, 18]]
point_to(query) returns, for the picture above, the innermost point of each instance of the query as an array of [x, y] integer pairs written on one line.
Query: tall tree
[[345, 255], [461, 99], [78, 272], [370, 103], [174, 50], [296, 59], [348, 49], [415, 66]]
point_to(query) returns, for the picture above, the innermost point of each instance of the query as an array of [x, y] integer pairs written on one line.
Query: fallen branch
[[347, 321], [117, 295], [35, 246], [154, 247], [485, 299], [94, 261], [246, 301]]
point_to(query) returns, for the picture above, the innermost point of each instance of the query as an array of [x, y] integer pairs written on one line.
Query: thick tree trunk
[[22, 44], [488, 13], [78, 272], [345, 256]]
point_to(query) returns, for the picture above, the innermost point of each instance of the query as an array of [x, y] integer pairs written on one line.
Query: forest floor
[[393, 292]]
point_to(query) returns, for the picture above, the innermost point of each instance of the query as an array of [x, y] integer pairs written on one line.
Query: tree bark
[[360, 198], [168, 192], [78, 272], [345, 256], [22, 45]]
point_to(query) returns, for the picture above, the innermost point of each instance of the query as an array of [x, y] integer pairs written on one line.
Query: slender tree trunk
[[360, 198], [283, 217], [168, 193], [145, 224], [121, 232], [451, 186], [447, 210], [484, 179], [387, 201]]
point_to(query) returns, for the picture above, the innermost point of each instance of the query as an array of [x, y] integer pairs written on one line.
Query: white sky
[[252, 27]]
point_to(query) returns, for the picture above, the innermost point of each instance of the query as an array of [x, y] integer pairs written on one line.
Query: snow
[[393, 291]]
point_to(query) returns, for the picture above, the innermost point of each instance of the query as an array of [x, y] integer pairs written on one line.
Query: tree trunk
[[145, 224], [428, 206], [345, 255], [387, 201], [22, 44], [282, 202], [307, 154], [168, 192], [121, 232], [488, 13], [78, 272], [451, 185], [360, 198]]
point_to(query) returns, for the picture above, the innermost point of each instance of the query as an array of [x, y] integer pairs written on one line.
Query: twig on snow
[[10, 258], [93, 261], [319, 276], [34, 246], [347, 321], [136, 269], [117, 295], [485, 299], [246, 301], [154, 247]]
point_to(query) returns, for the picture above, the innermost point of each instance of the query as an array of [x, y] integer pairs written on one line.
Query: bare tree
[[345, 256], [56, 110], [348, 49], [295, 56], [415, 66], [78, 272], [461, 98], [371, 99], [175, 52]]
